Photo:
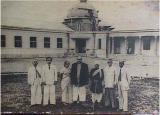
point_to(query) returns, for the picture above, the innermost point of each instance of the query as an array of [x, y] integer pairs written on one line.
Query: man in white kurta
[[35, 80], [66, 84], [110, 82], [49, 73], [123, 86]]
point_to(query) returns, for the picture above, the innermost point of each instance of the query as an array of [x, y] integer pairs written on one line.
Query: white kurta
[[49, 77], [123, 87], [109, 76], [35, 82], [66, 86]]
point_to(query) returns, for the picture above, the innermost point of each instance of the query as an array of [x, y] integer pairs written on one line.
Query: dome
[[81, 10]]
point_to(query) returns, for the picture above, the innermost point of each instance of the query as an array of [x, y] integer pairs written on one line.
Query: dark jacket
[[84, 75], [96, 81]]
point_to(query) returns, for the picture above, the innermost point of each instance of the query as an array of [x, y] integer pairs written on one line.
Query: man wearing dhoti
[[79, 80], [96, 78], [66, 84], [35, 80]]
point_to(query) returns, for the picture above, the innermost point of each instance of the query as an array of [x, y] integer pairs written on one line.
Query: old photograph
[[80, 57]]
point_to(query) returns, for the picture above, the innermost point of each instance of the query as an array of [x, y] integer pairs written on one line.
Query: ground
[[15, 96]]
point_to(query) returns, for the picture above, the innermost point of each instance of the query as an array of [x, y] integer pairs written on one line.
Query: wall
[[26, 50]]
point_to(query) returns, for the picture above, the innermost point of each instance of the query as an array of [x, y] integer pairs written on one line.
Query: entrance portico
[[80, 45]]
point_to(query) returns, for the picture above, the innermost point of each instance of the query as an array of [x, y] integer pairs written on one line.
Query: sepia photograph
[[80, 57]]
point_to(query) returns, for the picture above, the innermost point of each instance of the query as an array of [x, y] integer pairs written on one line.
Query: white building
[[80, 33]]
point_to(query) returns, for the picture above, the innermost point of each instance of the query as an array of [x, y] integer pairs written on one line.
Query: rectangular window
[[117, 44], [59, 43], [3, 41], [146, 42], [131, 44], [46, 42], [99, 43], [33, 42], [18, 41]]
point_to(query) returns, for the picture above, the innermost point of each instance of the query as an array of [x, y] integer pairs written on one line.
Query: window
[[59, 43], [18, 41], [99, 43], [78, 26], [33, 43], [3, 41], [131, 44], [146, 42], [117, 44], [46, 42]]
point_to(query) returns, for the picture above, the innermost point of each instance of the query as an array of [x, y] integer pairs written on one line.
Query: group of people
[[75, 79]]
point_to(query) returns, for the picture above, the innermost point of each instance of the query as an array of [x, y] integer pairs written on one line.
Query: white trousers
[[79, 92], [67, 94], [36, 93], [49, 94], [123, 98], [97, 97]]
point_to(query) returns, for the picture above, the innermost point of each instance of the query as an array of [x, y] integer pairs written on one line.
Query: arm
[[128, 78], [55, 76], [43, 75], [71, 74], [115, 77], [30, 80], [87, 79], [102, 73]]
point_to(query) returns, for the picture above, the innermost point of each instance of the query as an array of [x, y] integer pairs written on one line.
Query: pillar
[[94, 42], [107, 44], [140, 51], [125, 45], [68, 42], [112, 45], [156, 45]]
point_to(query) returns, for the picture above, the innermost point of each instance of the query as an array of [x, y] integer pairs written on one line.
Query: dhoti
[[67, 93], [79, 92], [36, 93]]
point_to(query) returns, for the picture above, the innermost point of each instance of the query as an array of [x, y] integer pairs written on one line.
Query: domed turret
[[82, 17]]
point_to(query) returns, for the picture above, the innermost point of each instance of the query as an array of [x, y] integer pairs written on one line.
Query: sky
[[120, 14]]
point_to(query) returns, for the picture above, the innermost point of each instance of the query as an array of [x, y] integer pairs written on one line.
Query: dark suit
[[79, 89], [84, 75]]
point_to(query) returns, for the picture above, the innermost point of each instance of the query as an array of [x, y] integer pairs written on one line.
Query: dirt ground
[[15, 97]]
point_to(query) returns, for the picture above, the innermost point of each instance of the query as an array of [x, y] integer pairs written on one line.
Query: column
[[68, 42], [112, 45], [156, 45], [125, 45], [107, 44], [140, 40], [94, 42]]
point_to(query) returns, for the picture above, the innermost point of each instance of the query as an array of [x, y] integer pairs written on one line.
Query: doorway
[[131, 46], [80, 46]]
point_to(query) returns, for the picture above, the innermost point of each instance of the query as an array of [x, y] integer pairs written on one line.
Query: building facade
[[82, 36]]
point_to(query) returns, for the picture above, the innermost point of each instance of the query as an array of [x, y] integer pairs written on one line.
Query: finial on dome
[[83, 0]]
